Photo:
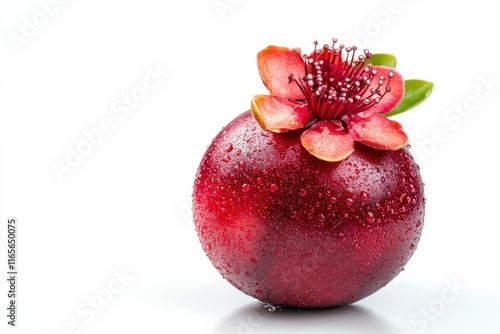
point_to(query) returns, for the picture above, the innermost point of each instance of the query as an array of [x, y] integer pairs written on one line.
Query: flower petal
[[277, 114], [391, 98], [328, 140], [275, 64], [378, 132]]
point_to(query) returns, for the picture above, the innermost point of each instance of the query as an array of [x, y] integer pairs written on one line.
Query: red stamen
[[334, 87]]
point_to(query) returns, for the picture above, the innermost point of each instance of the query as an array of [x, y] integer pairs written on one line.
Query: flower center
[[337, 83]]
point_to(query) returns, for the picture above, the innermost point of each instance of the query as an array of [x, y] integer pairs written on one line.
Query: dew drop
[[419, 223], [226, 158], [253, 260], [303, 192], [321, 217], [274, 187], [349, 201], [412, 246], [243, 164], [229, 148], [259, 180], [333, 199], [245, 187], [363, 195], [369, 217], [258, 291], [356, 247], [269, 307]]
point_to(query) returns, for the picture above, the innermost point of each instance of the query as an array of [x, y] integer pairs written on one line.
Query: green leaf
[[416, 91], [383, 59]]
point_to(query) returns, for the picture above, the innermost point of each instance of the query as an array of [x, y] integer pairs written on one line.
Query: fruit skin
[[295, 231]]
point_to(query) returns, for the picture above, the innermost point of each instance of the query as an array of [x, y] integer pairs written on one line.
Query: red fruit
[[292, 230], [314, 201]]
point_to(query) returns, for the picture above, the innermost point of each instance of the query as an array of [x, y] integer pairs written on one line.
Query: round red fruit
[[292, 230]]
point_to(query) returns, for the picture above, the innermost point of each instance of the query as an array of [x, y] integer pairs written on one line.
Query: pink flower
[[338, 98]]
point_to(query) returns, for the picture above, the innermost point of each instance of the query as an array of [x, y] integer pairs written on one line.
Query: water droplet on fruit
[[363, 195], [259, 180], [333, 199], [350, 192], [419, 223], [349, 201], [229, 148], [258, 291], [245, 187], [321, 217], [274, 187], [369, 217], [243, 164], [382, 179], [356, 247], [226, 158], [412, 246], [253, 260], [303, 192]]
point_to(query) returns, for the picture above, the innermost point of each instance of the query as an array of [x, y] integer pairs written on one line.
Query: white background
[[124, 209]]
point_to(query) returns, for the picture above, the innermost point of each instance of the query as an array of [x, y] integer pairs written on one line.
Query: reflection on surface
[[255, 319]]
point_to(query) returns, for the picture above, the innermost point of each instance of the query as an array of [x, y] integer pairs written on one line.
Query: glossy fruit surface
[[292, 230]]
